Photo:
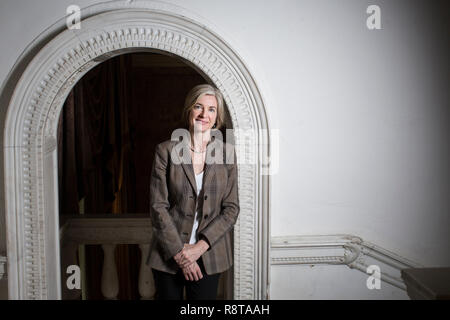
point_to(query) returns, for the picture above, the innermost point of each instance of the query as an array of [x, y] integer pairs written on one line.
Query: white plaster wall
[[363, 119], [325, 282]]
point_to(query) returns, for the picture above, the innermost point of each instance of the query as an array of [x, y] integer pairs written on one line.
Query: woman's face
[[204, 113]]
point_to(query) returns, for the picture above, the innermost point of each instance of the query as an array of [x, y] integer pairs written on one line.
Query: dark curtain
[[110, 124]]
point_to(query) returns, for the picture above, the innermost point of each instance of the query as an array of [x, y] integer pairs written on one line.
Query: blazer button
[[206, 216], [206, 197]]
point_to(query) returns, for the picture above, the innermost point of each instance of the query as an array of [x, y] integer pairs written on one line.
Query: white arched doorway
[[30, 155]]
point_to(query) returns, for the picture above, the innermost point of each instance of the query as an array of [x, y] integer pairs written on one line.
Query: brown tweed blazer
[[174, 200]]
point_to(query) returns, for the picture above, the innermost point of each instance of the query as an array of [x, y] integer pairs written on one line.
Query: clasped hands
[[187, 259]]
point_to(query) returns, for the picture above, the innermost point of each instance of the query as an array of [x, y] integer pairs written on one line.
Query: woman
[[193, 204]]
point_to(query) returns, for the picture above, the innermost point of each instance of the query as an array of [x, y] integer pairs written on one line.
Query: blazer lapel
[[189, 171], [186, 163], [211, 164], [209, 172]]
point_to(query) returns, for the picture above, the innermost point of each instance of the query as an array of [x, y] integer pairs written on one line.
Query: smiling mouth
[[202, 121]]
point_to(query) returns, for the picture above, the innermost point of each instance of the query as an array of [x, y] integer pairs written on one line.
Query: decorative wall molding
[[339, 250], [31, 190]]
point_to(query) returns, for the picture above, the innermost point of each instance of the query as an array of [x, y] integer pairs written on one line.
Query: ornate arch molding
[[30, 155]]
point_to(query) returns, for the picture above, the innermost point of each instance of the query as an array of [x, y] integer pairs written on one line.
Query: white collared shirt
[[199, 182]]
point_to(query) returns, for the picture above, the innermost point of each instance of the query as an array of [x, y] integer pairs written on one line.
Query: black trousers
[[170, 286]]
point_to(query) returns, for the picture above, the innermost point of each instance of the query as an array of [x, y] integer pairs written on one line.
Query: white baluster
[[110, 278], [146, 284]]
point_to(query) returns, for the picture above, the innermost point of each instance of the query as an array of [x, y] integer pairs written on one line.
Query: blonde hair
[[196, 93]]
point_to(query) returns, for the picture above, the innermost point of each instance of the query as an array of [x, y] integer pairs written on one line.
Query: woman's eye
[[197, 107], [212, 110]]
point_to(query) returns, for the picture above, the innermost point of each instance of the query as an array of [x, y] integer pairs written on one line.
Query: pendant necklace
[[197, 151]]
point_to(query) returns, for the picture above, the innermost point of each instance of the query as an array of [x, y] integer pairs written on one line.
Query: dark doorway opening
[[108, 129]]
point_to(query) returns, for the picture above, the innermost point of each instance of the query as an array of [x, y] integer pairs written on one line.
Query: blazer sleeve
[[225, 221], [164, 229]]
